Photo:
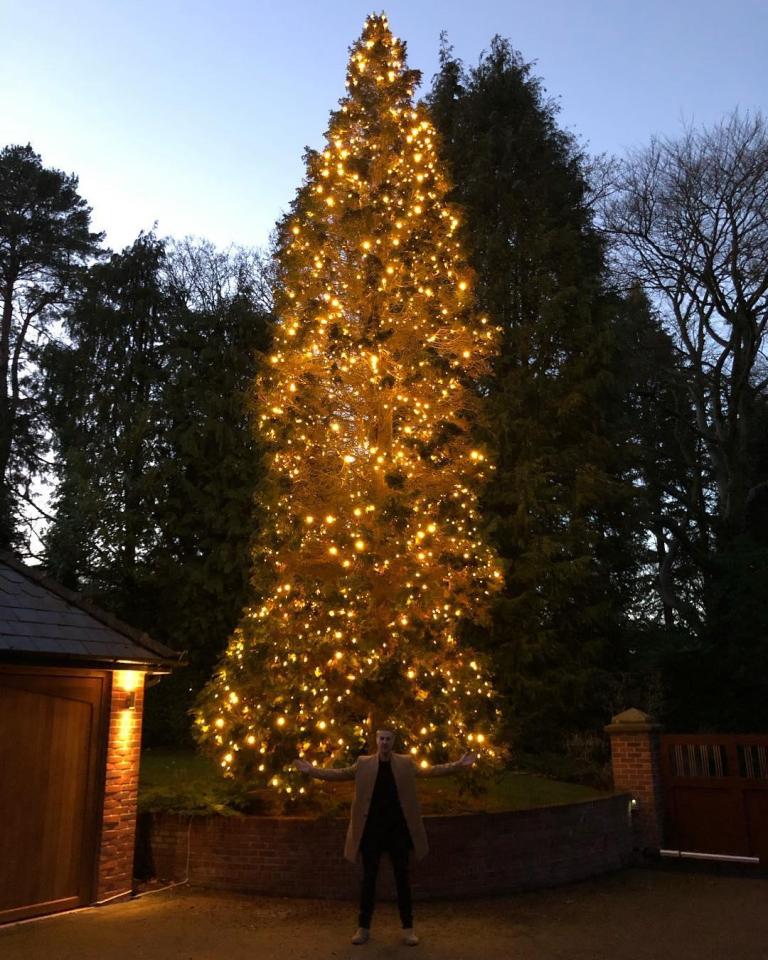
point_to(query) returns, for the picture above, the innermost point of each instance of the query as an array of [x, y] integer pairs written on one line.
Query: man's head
[[385, 740]]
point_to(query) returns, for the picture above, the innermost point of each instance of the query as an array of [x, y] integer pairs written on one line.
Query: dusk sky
[[195, 114]]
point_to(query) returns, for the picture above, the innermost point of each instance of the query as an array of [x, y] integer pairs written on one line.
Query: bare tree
[[208, 276], [688, 219]]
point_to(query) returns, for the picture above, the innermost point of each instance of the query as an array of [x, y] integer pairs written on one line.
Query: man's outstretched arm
[[325, 773], [445, 769]]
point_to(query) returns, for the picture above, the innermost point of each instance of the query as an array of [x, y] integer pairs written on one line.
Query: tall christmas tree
[[368, 402]]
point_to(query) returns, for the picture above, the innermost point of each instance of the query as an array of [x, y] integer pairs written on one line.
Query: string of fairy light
[[367, 404]]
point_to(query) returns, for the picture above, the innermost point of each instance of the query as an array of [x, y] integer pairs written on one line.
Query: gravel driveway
[[679, 913]]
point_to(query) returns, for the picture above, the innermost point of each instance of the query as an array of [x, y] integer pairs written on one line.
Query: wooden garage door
[[51, 759]]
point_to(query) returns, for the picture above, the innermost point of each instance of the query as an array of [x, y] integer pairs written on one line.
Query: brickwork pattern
[[635, 761], [118, 827], [471, 855]]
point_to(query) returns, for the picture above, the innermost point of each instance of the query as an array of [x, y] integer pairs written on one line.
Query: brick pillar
[[635, 761], [118, 827]]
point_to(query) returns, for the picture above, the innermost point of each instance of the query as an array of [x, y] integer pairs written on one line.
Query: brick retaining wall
[[470, 855]]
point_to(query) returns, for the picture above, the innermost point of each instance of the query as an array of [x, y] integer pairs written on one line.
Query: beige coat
[[364, 772]]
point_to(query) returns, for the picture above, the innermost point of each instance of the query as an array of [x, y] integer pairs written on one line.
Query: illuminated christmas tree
[[371, 545]]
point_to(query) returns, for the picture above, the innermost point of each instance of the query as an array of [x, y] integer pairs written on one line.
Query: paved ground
[[683, 913]]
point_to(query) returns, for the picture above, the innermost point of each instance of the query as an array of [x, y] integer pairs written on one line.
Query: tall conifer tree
[[372, 550], [562, 504]]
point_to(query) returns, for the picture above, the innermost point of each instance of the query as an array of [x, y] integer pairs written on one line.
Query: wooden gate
[[716, 795], [51, 778]]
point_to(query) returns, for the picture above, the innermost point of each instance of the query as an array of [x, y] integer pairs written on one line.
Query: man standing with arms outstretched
[[385, 818]]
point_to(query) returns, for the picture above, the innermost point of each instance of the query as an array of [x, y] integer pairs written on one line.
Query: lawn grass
[[187, 782]]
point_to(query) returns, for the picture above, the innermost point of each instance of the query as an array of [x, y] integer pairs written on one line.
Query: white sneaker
[[362, 936], [409, 937]]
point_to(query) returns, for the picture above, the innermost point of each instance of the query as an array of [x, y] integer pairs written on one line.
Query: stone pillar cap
[[632, 721]]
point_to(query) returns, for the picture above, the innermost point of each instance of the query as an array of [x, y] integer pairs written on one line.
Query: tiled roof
[[40, 619]]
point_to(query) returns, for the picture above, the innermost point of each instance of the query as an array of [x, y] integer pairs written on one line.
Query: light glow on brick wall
[[127, 682], [118, 828]]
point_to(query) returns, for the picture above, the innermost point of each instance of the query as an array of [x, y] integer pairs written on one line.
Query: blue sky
[[196, 114]]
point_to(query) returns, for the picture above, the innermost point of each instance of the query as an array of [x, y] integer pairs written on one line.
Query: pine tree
[[45, 243], [372, 548]]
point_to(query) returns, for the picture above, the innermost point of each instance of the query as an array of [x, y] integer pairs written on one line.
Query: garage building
[[72, 681]]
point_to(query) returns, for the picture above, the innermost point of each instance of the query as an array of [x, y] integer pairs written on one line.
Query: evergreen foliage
[[45, 241], [563, 506], [157, 462], [102, 393], [209, 470], [372, 553]]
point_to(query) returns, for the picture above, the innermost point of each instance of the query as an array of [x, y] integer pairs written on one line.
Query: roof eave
[[51, 659]]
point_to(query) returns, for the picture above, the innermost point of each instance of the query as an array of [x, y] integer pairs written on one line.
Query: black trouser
[[397, 843]]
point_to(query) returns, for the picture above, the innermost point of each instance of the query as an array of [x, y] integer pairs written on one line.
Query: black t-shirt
[[385, 815]]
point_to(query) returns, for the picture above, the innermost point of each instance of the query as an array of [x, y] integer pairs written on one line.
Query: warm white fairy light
[[367, 405]]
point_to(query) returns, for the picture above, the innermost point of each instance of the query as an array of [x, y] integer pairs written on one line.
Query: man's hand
[[302, 765], [468, 759]]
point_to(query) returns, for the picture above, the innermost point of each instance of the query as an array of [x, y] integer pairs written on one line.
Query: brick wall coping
[[207, 818], [320, 818]]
